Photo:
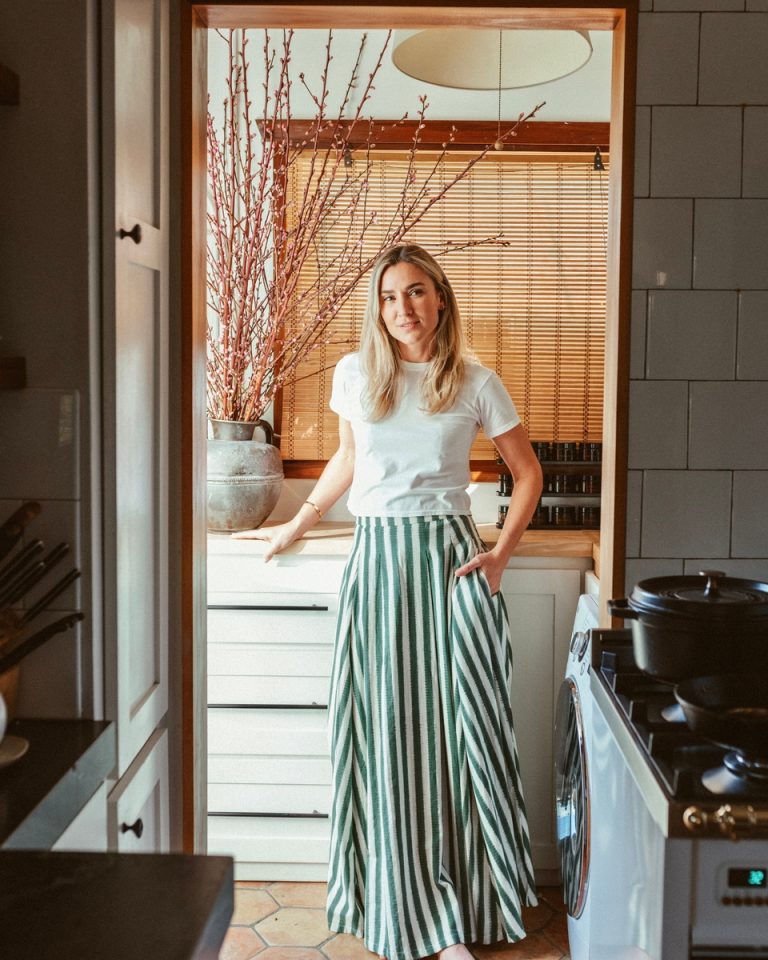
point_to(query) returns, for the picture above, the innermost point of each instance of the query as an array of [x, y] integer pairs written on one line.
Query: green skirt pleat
[[429, 838]]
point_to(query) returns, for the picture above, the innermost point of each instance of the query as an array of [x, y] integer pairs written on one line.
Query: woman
[[429, 838]]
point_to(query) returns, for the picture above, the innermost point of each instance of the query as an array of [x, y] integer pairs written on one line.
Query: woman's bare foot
[[456, 951]]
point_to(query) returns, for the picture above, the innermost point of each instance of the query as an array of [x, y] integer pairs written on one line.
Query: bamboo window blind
[[533, 310]]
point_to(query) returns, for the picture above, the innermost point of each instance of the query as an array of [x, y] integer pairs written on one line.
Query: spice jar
[[502, 515], [590, 483], [542, 449], [590, 517], [564, 516], [505, 485], [593, 452], [541, 516]]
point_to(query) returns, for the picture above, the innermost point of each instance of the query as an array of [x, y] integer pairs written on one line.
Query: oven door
[[572, 801]]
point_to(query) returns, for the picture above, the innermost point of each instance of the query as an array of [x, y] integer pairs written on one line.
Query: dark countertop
[[70, 906], [43, 791]]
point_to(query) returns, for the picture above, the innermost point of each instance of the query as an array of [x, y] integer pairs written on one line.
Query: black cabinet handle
[[137, 827], [134, 233]]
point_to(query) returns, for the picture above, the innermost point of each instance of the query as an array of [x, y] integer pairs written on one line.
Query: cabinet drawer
[[239, 575], [267, 732], [262, 673], [266, 621], [272, 848], [138, 813], [269, 784]]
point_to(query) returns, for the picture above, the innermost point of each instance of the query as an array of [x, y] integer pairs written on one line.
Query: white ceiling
[[582, 96]]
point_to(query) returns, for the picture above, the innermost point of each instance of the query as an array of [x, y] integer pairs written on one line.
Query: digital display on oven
[[753, 878]]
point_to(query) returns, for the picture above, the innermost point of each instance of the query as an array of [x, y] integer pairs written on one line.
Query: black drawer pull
[[236, 606], [134, 233], [137, 827]]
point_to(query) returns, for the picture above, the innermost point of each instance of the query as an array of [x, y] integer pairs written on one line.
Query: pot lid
[[711, 593]]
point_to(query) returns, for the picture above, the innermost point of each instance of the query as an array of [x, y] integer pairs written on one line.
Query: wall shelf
[[9, 85]]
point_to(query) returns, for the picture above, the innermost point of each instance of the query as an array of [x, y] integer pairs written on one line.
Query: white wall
[[698, 444]]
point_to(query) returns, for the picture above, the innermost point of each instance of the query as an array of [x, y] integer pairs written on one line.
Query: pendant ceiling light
[[469, 59]]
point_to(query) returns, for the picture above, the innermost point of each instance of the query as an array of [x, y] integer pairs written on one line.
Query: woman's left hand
[[490, 564]]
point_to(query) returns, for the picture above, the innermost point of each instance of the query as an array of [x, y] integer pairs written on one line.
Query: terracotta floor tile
[[536, 918], [290, 894], [346, 946], [557, 931], [290, 953], [552, 896], [241, 943], [252, 906], [295, 926], [533, 947]]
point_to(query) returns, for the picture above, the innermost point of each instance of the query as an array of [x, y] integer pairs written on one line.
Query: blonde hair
[[379, 353]]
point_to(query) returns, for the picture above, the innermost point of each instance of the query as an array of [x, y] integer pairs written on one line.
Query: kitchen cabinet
[[270, 647], [88, 831], [135, 76]]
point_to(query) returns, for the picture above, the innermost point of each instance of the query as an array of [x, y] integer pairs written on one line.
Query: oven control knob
[[576, 640]]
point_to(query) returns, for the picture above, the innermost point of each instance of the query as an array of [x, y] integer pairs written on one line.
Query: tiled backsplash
[[698, 441], [40, 461]]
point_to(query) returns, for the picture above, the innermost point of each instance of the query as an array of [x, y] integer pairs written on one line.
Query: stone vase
[[244, 476]]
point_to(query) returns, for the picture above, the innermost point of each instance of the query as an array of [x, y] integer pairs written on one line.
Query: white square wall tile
[[752, 356], [637, 334], [662, 244], [752, 569], [642, 151], [734, 63], [728, 425], [58, 523], [696, 152], [691, 334], [39, 433], [658, 424], [643, 569], [755, 163], [750, 517], [730, 243], [667, 58], [634, 511], [686, 513]]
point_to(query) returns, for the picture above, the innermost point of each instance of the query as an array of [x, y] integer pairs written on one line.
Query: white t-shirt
[[413, 463]]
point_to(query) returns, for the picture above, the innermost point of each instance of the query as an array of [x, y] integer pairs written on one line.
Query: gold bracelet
[[315, 507]]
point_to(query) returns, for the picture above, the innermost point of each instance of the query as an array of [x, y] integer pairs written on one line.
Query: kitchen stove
[[689, 769], [677, 828]]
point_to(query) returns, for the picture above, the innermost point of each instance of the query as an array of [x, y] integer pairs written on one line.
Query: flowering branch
[[269, 308]]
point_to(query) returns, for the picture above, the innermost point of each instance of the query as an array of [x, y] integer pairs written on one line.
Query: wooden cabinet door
[[136, 361]]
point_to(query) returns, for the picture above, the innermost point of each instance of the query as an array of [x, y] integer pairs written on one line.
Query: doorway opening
[[619, 21]]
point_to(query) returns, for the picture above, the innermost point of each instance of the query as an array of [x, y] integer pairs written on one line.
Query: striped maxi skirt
[[429, 838]]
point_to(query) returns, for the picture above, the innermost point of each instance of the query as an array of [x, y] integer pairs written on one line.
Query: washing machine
[[572, 777]]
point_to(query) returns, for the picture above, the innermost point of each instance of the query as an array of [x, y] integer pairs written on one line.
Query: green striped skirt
[[429, 839]]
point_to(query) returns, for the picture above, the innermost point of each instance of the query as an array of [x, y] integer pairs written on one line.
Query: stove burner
[[687, 766], [673, 713]]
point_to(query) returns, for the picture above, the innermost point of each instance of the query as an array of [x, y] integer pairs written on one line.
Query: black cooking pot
[[730, 709], [690, 626]]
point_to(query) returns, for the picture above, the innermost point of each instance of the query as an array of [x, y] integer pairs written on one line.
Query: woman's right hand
[[277, 538]]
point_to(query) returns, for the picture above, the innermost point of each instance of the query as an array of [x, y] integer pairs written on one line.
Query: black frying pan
[[731, 709]]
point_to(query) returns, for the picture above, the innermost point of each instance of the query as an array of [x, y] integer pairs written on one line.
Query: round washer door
[[572, 797]]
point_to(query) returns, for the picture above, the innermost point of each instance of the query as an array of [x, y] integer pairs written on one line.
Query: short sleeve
[[339, 401], [496, 410]]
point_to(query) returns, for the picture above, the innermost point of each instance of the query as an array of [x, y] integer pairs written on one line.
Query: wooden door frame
[[195, 19]]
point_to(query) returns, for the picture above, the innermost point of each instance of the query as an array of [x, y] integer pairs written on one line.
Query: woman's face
[[409, 304]]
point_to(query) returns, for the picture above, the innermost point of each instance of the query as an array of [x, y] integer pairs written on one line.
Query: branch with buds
[[268, 311]]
